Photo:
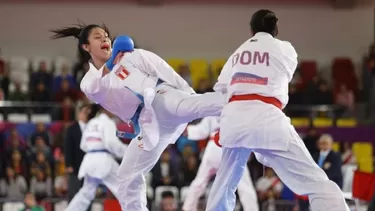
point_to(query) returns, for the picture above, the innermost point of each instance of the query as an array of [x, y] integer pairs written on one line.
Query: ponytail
[[66, 32], [81, 32]]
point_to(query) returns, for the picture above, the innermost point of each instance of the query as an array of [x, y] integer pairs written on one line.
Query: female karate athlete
[[136, 82]]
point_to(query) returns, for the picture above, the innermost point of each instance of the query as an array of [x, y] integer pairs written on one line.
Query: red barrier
[[363, 185], [111, 205]]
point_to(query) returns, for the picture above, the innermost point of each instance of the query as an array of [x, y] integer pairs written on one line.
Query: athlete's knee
[[130, 183]]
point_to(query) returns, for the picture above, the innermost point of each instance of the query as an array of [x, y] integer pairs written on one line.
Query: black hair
[[264, 21], [83, 106], [167, 194], [81, 32]]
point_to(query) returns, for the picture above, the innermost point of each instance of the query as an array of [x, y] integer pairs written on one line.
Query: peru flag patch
[[122, 73]]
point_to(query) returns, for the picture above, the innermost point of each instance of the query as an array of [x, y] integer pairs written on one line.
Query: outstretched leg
[[208, 167], [247, 193], [85, 195], [302, 175], [232, 166]]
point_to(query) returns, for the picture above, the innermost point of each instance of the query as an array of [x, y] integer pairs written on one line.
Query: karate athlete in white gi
[[100, 143], [143, 85], [255, 80], [209, 165]]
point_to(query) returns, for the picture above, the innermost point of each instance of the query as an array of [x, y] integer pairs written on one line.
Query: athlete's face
[[99, 46]]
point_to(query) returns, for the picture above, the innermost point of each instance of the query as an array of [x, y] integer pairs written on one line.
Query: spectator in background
[[79, 70], [40, 163], [19, 164], [164, 173], [41, 146], [17, 94], [40, 94], [41, 185], [329, 160], [72, 151], [184, 72], [297, 81], [59, 164], [349, 165], [13, 185], [2, 63], [64, 75], [348, 156], [371, 54], [66, 91], [269, 189], [168, 202], [311, 141], [2, 95], [312, 90], [187, 151], [61, 185], [324, 96], [42, 75], [371, 100], [182, 141], [204, 86], [31, 204], [296, 98], [66, 112], [4, 83], [61, 179], [190, 169], [368, 80], [345, 100], [15, 142], [41, 132]]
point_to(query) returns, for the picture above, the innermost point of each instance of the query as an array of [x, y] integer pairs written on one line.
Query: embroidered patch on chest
[[122, 73]]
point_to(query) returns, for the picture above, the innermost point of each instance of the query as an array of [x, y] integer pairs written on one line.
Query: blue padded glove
[[121, 44]]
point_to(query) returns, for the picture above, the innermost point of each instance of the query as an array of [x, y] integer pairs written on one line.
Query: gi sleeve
[[111, 142], [224, 78], [91, 84], [203, 129], [157, 67], [290, 57]]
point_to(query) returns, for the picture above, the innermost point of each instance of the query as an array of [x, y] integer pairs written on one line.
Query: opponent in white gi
[[209, 165], [100, 143], [141, 85], [255, 80]]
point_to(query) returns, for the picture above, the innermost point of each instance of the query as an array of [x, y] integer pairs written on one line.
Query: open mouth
[[105, 47]]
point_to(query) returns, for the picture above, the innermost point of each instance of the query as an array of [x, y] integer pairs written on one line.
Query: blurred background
[[332, 92]]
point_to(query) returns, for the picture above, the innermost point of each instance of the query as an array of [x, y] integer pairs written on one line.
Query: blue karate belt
[[135, 118], [98, 150]]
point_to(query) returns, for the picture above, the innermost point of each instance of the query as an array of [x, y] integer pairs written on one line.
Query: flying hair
[[76, 30], [81, 32]]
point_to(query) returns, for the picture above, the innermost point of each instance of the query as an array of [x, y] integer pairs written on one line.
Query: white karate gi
[[209, 165], [98, 166], [264, 65], [167, 109]]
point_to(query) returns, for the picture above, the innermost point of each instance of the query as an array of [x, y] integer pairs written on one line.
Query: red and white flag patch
[[122, 73]]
